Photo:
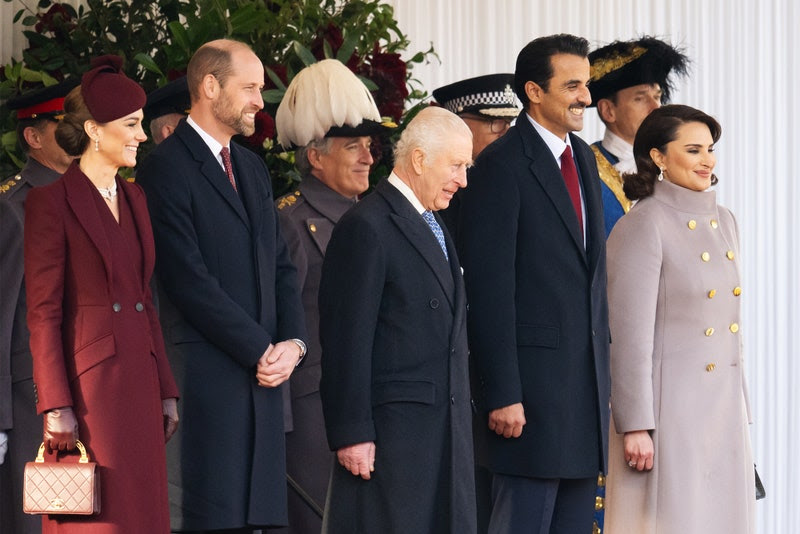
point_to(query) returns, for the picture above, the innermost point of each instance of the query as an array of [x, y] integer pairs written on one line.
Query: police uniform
[[307, 217]]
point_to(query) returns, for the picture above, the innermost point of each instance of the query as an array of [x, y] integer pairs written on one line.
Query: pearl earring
[[97, 145], [661, 175]]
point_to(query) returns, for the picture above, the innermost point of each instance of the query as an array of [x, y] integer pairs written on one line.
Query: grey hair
[[430, 131], [301, 154]]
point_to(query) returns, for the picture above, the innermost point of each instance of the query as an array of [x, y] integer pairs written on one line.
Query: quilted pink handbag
[[61, 488]]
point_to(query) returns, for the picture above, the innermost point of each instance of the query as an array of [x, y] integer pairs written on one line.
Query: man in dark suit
[[395, 386], [334, 162], [38, 113], [532, 243], [230, 303]]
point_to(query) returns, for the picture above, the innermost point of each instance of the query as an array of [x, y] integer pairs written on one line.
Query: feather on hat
[[623, 64], [325, 100]]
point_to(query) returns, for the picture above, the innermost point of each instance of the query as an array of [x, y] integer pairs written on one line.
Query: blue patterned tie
[[436, 229]]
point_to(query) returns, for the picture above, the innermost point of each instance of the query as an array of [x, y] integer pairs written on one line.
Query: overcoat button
[[434, 303], [734, 328], [705, 256], [712, 293], [710, 367], [452, 399], [692, 224], [139, 306], [116, 307], [737, 291]]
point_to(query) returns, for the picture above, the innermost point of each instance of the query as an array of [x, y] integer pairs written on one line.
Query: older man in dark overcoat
[[532, 242], [230, 304], [395, 386]]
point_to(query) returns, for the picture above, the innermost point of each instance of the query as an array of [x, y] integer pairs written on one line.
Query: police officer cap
[[491, 95]]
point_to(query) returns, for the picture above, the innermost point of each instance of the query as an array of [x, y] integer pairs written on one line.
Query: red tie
[[226, 162], [570, 174]]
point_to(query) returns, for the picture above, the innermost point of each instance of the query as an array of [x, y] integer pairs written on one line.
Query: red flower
[[57, 20], [388, 72], [280, 71], [333, 35], [265, 129]]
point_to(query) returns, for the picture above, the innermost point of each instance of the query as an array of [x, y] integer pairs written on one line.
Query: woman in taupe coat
[[680, 459]]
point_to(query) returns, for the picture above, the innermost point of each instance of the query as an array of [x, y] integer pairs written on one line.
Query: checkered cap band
[[505, 98]]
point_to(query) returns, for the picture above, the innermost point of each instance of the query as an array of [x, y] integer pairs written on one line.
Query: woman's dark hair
[[70, 134], [657, 130]]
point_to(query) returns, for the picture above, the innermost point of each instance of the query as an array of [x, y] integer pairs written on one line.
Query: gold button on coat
[[734, 327], [737, 291], [692, 224], [710, 367], [712, 293], [312, 227], [705, 256], [714, 223], [729, 254], [709, 332]]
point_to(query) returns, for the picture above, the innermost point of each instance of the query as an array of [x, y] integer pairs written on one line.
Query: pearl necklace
[[109, 193]]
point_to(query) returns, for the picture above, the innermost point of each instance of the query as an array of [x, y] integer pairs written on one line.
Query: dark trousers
[[522, 505]]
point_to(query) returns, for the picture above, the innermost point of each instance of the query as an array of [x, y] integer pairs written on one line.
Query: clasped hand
[[277, 363]]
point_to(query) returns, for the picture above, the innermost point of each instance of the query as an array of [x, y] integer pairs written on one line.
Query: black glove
[[60, 429], [169, 407]]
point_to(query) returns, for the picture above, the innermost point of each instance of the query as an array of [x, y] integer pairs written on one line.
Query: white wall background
[[746, 73]]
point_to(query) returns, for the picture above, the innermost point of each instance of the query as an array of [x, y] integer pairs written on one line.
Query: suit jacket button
[[139, 306], [116, 307], [452, 399], [434, 303]]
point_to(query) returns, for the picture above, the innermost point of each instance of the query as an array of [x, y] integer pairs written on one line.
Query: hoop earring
[[97, 145], [661, 175]]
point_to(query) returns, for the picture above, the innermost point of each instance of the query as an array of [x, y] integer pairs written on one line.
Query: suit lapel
[[592, 197], [460, 296], [138, 206], [247, 178], [416, 231], [210, 168], [79, 198], [543, 166]]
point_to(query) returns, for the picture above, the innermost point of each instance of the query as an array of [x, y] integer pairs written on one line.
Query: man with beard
[[230, 304], [532, 244]]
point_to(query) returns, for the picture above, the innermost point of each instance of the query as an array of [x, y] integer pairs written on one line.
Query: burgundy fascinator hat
[[108, 93]]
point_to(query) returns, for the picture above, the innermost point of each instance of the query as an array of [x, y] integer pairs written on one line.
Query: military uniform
[[615, 203], [307, 218], [17, 394]]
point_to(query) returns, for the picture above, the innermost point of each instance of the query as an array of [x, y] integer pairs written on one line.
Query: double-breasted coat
[[538, 319], [97, 345], [677, 368], [394, 371], [17, 405], [228, 290], [307, 217]]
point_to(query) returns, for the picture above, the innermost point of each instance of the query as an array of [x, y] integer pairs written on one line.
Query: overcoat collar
[[544, 168], [323, 199], [211, 170], [415, 229], [79, 194]]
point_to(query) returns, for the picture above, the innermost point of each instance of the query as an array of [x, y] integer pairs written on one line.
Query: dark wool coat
[[538, 317], [229, 289], [394, 371]]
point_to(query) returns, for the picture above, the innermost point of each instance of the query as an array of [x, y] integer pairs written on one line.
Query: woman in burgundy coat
[[100, 368]]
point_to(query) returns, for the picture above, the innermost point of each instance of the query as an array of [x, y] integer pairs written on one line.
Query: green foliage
[[158, 38]]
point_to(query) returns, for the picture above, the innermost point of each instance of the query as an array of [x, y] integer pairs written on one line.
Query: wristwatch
[[300, 343]]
